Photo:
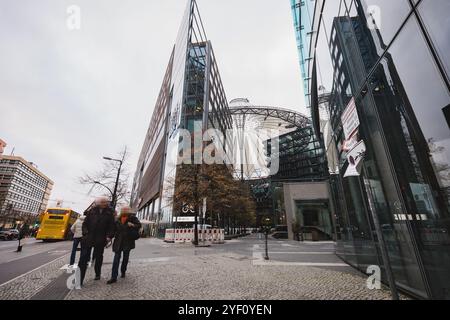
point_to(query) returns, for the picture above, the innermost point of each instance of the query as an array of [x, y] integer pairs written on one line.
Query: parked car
[[280, 235], [9, 234]]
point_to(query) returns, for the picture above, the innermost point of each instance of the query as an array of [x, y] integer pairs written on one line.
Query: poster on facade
[[355, 160], [350, 119], [350, 143]]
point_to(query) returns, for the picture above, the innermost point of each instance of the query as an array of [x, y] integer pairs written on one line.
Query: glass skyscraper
[[191, 98], [385, 65]]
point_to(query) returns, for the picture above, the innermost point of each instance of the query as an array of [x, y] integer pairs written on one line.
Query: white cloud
[[69, 97]]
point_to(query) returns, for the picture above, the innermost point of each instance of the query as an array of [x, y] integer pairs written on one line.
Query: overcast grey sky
[[69, 97]]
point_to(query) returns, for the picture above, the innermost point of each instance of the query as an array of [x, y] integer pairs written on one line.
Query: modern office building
[[290, 183], [24, 190], [382, 69], [303, 176], [192, 98], [301, 155], [2, 147]]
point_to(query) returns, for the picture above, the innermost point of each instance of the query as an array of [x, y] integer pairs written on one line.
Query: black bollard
[[267, 249]]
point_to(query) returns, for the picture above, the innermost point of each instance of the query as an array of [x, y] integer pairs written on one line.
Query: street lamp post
[[104, 186], [114, 195], [266, 234], [266, 257]]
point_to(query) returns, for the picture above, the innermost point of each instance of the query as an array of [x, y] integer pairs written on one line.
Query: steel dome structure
[[253, 126]]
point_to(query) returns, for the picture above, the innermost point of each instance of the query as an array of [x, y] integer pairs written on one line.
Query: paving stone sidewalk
[[226, 276], [161, 271]]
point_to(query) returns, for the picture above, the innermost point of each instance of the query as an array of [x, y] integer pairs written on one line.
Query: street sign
[[184, 219], [350, 119]]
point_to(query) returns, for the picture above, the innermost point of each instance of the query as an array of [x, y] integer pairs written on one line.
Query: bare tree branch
[[102, 182]]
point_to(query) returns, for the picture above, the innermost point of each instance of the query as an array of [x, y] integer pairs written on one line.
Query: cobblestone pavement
[[227, 276], [179, 271], [29, 284]]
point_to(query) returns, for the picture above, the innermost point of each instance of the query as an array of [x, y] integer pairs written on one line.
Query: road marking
[[57, 251], [149, 260], [287, 245], [28, 272], [299, 252], [35, 250], [259, 261], [318, 242]]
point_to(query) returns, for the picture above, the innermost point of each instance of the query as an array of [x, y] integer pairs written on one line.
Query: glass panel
[[423, 167], [436, 15], [383, 19], [410, 102]]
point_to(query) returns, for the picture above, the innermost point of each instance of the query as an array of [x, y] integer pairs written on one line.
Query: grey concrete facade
[[302, 191]]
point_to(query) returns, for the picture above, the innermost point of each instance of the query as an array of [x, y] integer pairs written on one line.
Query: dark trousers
[[76, 242], [86, 255], [116, 262]]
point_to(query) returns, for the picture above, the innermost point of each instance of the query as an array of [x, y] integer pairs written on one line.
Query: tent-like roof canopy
[[256, 124]]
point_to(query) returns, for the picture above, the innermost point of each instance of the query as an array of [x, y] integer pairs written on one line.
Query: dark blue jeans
[[76, 242], [86, 255], [116, 262]]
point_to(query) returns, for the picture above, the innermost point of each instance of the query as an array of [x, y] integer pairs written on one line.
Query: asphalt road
[[35, 254]]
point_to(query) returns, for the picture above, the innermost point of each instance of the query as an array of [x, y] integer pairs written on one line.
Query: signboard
[[187, 208], [350, 119], [355, 160], [350, 143], [184, 219]]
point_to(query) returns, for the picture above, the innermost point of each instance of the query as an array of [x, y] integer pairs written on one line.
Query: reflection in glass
[[403, 106]]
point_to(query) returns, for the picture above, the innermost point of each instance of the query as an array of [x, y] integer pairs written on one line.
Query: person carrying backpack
[[126, 233]]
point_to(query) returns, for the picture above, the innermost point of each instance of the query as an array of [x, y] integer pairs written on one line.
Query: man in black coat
[[126, 232], [98, 230]]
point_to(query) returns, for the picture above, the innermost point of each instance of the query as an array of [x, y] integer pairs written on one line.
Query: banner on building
[[355, 160], [350, 119]]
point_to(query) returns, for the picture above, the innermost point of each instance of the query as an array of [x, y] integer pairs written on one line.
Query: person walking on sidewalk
[[98, 230], [126, 233], [77, 230]]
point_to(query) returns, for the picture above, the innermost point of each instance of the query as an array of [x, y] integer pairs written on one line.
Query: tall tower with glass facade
[[191, 98]]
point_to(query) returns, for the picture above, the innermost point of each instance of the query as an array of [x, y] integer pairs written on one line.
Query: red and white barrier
[[216, 236]]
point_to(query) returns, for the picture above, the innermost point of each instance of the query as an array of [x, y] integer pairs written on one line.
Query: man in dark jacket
[[126, 232], [98, 230]]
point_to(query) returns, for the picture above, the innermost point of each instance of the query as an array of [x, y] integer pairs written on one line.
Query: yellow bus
[[56, 223]]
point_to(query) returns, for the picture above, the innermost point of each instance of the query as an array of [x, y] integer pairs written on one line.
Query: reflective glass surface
[[379, 53]]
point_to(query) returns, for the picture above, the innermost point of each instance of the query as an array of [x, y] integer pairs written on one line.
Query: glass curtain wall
[[392, 58], [303, 14], [198, 102]]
